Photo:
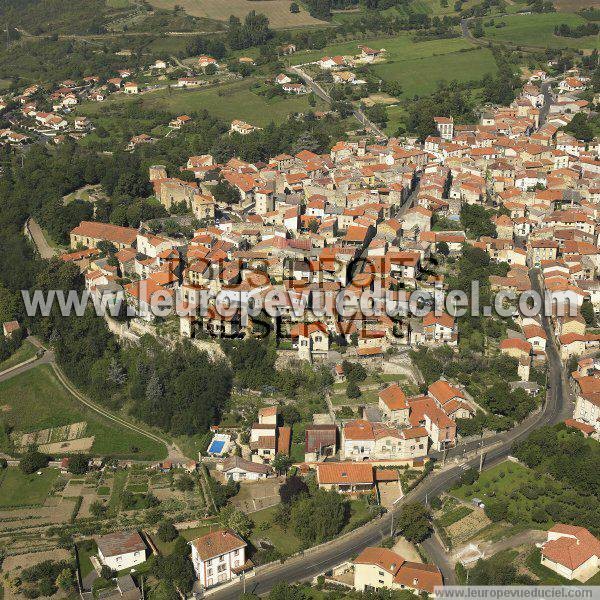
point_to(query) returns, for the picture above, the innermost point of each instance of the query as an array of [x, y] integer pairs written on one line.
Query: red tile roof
[[345, 472], [216, 543]]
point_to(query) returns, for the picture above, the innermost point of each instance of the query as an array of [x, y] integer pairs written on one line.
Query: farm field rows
[[278, 11], [36, 400], [538, 30]]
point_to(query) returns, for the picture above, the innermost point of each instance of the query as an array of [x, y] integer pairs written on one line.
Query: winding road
[[319, 91], [556, 408], [48, 358]]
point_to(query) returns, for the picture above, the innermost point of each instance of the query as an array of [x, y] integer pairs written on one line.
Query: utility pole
[[481, 455]]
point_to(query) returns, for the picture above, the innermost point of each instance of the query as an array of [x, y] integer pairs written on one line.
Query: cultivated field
[[538, 30], [278, 11], [36, 400], [574, 5]]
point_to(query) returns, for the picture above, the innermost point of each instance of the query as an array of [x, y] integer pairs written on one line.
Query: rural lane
[[359, 115]]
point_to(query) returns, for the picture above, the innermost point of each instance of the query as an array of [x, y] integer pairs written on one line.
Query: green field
[[230, 101], [434, 61], [25, 352], [399, 47], [460, 66], [265, 527], [538, 30], [36, 400], [18, 489]]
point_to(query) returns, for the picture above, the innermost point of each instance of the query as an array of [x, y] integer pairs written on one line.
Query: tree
[[294, 8], [414, 522], [353, 391], [281, 463], [320, 517], [3, 463], [32, 461], [285, 591], [587, 312], [496, 509], [236, 520], [106, 572], [78, 464], [442, 248], [580, 127], [185, 483], [98, 509], [167, 532], [293, 488]]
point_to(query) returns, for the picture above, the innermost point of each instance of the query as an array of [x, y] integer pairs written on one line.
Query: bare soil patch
[[278, 11]]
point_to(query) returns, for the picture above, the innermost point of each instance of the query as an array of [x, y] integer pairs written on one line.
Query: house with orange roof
[[393, 404], [311, 340], [572, 552], [346, 477], [376, 568], [218, 557]]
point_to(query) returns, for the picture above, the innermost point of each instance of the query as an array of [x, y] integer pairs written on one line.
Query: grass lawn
[[103, 490], [85, 564], [229, 101], [138, 488], [538, 30], [37, 400], [26, 351], [460, 66], [265, 528], [368, 396], [18, 489], [360, 511], [454, 516], [400, 47], [118, 485]]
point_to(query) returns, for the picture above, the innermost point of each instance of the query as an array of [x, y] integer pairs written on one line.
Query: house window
[[222, 558], [221, 568], [209, 572], [236, 552], [209, 562], [210, 582]]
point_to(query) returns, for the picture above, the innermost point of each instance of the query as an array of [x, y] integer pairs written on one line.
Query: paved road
[[496, 448], [44, 249], [48, 358], [321, 93]]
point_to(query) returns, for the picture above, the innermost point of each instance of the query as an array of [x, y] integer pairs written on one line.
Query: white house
[[121, 550], [218, 557], [235, 468], [572, 552]]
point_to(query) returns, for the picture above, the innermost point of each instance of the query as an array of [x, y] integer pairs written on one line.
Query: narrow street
[[37, 235]]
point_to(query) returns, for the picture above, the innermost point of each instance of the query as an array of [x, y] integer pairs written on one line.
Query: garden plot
[[52, 436]]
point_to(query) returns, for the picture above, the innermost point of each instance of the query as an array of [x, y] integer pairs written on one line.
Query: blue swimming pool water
[[216, 447]]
